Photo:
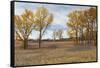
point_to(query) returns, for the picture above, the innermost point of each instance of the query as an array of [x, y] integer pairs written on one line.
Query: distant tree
[[59, 33], [24, 24], [54, 35], [42, 21]]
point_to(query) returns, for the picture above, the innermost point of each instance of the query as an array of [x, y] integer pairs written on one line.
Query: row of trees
[[82, 26], [27, 21], [81, 23]]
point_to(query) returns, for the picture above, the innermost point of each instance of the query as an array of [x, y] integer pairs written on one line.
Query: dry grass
[[54, 55]]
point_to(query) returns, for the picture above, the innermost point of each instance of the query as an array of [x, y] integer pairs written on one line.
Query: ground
[[58, 52]]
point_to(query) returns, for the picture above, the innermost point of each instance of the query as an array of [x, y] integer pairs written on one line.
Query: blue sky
[[59, 12]]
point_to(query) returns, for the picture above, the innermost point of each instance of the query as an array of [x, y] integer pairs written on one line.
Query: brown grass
[[61, 53]]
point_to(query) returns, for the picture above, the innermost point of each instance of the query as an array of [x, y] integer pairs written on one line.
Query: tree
[[24, 24], [73, 23], [42, 21], [59, 33], [54, 35]]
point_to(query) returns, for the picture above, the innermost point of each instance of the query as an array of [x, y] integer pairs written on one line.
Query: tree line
[[82, 25]]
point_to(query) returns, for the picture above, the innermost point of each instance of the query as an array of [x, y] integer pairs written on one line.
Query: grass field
[[62, 52]]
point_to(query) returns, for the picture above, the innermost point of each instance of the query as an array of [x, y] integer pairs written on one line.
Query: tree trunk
[[82, 38], [40, 39], [54, 38], [25, 43], [76, 37], [88, 33], [79, 39]]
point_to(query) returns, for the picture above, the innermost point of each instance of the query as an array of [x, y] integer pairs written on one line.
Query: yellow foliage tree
[[42, 20], [24, 24]]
